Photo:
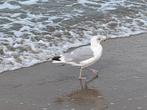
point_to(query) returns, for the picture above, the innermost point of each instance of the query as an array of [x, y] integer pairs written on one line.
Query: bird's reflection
[[83, 99]]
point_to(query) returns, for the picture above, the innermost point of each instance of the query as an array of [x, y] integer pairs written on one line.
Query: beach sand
[[122, 83]]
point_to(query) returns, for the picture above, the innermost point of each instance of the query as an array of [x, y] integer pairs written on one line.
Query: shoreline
[[121, 85], [130, 36]]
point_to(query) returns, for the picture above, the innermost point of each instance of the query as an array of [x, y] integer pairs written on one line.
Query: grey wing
[[79, 54]]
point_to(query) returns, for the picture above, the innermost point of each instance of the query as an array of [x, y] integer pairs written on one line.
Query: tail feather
[[56, 58]]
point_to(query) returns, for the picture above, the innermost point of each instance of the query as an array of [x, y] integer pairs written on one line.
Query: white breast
[[97, 51]]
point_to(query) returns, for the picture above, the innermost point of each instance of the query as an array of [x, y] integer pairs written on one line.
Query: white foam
[[111, 5], [31, 2], [17, 33], [9, 6], [28, 2], [29, 45], [86, 3], [44, 0]]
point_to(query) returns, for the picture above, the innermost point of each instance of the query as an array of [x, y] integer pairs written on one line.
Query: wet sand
[[122, 83]]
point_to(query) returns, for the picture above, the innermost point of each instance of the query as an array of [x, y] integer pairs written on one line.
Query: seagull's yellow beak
[[106, 39]]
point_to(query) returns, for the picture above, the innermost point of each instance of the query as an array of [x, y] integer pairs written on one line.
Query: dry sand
[[122, 83]]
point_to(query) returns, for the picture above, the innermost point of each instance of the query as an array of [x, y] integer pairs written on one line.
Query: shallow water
[[33, 30]]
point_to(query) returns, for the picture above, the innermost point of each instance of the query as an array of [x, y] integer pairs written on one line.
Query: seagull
[[83, 57]]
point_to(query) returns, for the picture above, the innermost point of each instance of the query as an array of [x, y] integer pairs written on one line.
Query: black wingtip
[[56, 58]]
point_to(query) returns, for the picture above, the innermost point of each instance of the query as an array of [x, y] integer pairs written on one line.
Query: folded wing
[[78, 55]]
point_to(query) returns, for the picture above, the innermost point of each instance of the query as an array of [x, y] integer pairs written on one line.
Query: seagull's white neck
[[94, 43], [96, 46]]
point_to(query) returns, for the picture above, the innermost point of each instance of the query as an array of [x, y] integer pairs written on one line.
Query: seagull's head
[[98, 38]]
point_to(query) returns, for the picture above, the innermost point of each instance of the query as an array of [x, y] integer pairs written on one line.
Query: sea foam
[[31, 31]]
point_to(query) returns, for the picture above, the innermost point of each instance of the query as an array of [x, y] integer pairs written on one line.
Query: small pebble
[[115, 88], [7, 101], [112, 103], [21, 103], [139, 108], [124, 106], [66, 105], [44, 109], [130, 99], [48, 104], [33, 104], [100, 96]]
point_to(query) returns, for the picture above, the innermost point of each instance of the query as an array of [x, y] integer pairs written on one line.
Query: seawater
[[33, 30]]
